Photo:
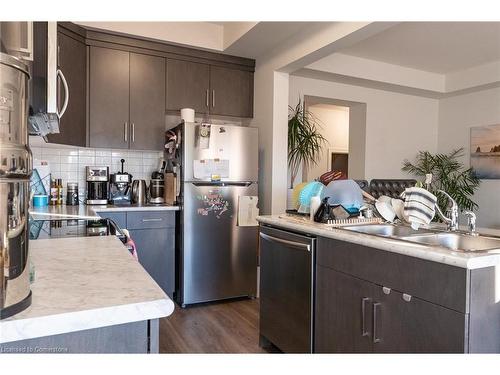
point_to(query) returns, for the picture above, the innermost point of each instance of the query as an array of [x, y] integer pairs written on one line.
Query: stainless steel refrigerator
[[217, 257]]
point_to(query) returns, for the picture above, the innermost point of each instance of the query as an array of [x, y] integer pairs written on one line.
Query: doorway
[[343, 124]]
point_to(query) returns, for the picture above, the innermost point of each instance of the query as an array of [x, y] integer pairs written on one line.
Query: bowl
[[385, 210], [399, 208]]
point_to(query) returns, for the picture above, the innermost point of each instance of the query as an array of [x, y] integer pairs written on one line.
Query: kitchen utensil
[[385, 210], [15, 173], [328, 177], [157, 190], [398, 206], [139, 192], [72, 194], [296, 194], [385, 198], [322, 214], [368, 196], [119, 187], [97, 185], [312, 189], [40, 200], [346, 193]]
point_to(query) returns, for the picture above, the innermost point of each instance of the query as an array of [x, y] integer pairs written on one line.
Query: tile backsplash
[[68, 163]]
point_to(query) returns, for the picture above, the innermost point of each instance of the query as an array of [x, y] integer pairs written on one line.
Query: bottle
[[59, 192], [53, 192]]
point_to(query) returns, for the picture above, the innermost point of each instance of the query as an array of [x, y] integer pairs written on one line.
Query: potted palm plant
[[448, 174], [305, 142]]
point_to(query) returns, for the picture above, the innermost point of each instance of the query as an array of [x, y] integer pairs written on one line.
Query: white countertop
[[83, 283], [90, 212], [432, 253]]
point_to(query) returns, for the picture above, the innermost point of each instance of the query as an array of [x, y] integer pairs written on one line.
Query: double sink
[[454, 241]]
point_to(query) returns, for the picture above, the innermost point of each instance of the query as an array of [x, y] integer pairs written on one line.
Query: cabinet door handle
[[206, 98], [133, 132], [364, 300], [376, 339], [60, 74], [125, 131], [298, 245], [213, 98], [148, 220]]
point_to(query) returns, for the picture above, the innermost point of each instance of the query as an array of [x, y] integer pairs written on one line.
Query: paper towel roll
[[187, 114]]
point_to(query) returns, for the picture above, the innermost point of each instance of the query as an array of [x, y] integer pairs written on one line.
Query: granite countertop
[[91, 212], [428, 252], [83, 283]]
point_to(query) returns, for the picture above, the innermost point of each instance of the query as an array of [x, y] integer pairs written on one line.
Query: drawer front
[[150, 219], [120, 218], [431, 281]]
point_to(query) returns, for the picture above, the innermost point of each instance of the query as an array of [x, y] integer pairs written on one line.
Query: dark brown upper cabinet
[[72, 61], [147, 102], [109, 98], [127, 100], [120, 87], [209, 89], [188, 86], [231, 92]]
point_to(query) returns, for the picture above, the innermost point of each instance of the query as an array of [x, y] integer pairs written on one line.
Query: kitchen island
[[151, 226], [375, 294], [89, 296]]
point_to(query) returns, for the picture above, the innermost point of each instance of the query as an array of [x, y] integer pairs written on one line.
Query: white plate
[[399, 208], [385, 210]]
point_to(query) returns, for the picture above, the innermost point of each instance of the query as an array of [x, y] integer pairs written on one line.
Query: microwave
[[45, 111]]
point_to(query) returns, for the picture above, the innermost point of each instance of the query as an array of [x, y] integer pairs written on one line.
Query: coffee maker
[[97, 185], [119, 187]]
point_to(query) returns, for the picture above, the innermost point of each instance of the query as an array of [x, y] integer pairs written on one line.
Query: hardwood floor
[[220, 327]]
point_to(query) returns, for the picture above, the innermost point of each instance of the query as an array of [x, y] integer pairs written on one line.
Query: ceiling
[[438, 47], [264, 36]]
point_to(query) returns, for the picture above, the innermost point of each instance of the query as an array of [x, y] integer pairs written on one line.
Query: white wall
[[271, 98], [456, 116], [397, 125], [333, 124]]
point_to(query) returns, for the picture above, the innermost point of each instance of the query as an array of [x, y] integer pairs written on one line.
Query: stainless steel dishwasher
[[286, 290]]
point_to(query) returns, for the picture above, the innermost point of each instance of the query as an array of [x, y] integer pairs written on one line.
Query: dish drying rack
[[333, 223], [353, 221]]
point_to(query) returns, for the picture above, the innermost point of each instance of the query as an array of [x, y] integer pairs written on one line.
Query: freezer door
[[237, 144], [219, 258]]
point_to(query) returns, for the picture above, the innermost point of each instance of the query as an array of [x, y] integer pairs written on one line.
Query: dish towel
[[419, 206], [130, 244]]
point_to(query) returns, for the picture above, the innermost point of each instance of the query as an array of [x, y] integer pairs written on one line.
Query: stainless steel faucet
[[452, 221], [471, 222]]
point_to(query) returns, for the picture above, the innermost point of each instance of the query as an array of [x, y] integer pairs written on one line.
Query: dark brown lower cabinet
[[407, 324], [357, 316], [343, 313]]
